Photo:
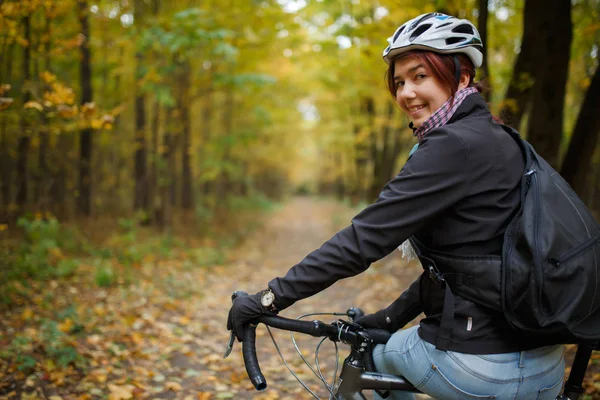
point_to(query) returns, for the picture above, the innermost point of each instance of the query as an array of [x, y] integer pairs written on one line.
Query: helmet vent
[[444, 24], [463, 28], [423, 18], [398, 33], [454, 40], [419, 31]]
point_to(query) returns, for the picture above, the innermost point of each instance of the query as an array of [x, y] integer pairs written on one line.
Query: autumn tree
[[84, 202]]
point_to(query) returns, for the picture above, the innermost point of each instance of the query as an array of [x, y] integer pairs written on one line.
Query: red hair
[[441, 66]]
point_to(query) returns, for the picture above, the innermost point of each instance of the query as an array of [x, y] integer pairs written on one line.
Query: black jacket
[[455, 194]]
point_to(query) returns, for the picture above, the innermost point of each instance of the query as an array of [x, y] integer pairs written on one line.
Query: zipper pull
[[554, 261]]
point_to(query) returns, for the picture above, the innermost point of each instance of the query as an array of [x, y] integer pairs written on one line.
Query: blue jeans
[[533, 374]]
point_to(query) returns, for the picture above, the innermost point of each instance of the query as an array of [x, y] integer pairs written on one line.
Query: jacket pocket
[[575, 252], [436, 385]]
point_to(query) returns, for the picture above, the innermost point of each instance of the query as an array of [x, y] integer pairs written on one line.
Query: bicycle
[[358, 372]]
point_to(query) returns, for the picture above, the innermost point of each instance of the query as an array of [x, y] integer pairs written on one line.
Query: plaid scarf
[[443, 114]]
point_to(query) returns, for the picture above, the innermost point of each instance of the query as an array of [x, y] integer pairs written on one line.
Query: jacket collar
[[472, 105]]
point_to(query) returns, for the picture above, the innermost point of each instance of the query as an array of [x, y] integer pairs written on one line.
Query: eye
[[399, 84], [420, 76]]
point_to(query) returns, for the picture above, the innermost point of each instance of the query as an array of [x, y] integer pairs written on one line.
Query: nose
[[405, 92]]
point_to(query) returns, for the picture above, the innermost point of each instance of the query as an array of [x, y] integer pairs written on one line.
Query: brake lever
[[229, 345], [231, 342]]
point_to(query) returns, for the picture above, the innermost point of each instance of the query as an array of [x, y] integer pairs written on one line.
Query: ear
[[464, 81]]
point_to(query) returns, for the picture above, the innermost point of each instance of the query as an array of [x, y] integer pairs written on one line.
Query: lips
[[413, 110]]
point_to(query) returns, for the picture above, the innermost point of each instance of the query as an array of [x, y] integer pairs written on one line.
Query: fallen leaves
[[120, 392]]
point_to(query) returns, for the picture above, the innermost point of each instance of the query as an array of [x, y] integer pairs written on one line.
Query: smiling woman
[[453, 199]]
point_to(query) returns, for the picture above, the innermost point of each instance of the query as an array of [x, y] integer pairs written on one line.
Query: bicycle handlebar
[[340, 330]]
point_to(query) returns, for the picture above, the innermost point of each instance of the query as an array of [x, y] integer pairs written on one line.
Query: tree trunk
[[84, 202], [577, 161], [518, 93], [153, 192], [548, 94], [187, 199], [482, 19], [44, 169], [207, 112], [24, 140], [153, 179], [361, 159], [141, 200], [6, 160], [164, 217], [224, 185]]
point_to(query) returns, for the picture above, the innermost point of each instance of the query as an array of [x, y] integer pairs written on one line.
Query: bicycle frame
[[354, 379]]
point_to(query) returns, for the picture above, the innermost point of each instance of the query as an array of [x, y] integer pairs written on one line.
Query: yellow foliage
[[27, 314], [22, 41], [88, 109], [48, 77], [5, 87], [5, 102], [66, 111], [33, 104]]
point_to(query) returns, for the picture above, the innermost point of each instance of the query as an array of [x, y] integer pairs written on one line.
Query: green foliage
[[105, 275], [57, 347], [40, 254], [54, 343]]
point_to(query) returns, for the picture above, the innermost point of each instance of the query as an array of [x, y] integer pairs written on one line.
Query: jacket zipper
[[574, 252], [536, 236]]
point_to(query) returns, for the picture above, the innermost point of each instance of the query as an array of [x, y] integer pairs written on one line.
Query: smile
[[415, 109]]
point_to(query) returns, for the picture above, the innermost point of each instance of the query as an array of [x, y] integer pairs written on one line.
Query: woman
[[455, 194]]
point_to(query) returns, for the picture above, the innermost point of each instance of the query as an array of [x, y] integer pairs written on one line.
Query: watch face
[[267, 299]]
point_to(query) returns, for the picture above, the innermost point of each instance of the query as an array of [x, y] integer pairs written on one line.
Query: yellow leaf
[[55, 397], [66, 326], [204, 395], [5, 102], [5, 87], [96, 123], [120, 392], [33, 104], [27, 313], [174, 386], [66, 111], [88, 109], [48, 77], [30, 396]]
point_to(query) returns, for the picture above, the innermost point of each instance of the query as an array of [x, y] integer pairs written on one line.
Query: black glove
[[403, 310], [374, 321], [245, 309]]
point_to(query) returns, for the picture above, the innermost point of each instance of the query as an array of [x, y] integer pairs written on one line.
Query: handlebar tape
[[250, 360], [313, 328]]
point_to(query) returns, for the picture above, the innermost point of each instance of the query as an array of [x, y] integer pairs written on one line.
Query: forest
[[139, 136]]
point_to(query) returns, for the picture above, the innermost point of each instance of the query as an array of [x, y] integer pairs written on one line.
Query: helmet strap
[[456, 69]]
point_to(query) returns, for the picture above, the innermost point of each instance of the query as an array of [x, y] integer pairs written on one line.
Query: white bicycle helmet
[[436, 32]]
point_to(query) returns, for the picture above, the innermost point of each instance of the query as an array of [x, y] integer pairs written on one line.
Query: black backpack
[[547, 281], [551, 257]]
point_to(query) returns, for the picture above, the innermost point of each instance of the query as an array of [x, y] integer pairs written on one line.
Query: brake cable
[[317, 373]]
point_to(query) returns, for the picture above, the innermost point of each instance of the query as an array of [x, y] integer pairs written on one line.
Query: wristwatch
[[267, 299]]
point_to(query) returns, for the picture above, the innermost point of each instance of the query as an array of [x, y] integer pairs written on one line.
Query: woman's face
[[418, 92]]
